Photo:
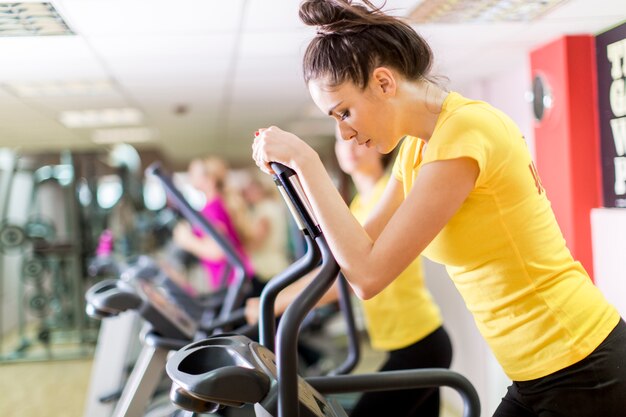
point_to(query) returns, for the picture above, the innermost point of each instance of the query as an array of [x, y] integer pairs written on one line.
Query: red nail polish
[[256, 133]]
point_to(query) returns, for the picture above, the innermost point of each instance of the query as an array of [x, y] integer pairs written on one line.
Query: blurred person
[[226, 213], [267, 243]]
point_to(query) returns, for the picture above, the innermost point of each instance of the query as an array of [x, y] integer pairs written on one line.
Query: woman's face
[[363, 116], [253, 192], [197, 175], [353, 158]]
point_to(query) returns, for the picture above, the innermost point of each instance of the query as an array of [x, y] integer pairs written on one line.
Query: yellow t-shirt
[[406, 300], [535, 305]]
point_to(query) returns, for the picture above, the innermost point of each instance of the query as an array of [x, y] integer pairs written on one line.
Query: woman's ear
[[384, 81]]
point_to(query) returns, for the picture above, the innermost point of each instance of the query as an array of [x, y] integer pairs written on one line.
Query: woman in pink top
[[208, 175]]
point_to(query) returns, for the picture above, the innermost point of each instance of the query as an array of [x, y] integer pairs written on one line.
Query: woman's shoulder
[[469, 112]]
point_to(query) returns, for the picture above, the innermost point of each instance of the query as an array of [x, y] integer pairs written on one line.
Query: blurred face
[[363, 116], [197, 175], [353, 158], [252, 192]]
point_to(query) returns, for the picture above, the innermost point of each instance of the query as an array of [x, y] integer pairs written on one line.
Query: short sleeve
[[461, 136]]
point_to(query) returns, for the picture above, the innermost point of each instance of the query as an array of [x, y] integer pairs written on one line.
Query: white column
[[608, 232]]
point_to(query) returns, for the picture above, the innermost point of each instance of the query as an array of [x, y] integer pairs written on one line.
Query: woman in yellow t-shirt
[[402, 319], [464, 193]]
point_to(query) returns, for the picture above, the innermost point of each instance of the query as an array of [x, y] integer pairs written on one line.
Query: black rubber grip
[[281, 169]]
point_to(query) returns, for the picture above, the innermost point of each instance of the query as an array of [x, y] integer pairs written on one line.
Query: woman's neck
[[211, 193], [423, 104]]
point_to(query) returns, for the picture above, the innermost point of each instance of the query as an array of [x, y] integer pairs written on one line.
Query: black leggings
[[593, 387], [433, 351]]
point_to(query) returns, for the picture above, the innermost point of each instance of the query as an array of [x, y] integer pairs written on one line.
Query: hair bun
[[322, 12], [338, 16]]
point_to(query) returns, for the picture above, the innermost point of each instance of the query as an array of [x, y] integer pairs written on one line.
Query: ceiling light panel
[[581, 10], [101, 117], [31, 19], [481, 11], [60, 88], [123, 135]]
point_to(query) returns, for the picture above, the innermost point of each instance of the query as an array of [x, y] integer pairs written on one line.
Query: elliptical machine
[[174, 318], [232, 370]]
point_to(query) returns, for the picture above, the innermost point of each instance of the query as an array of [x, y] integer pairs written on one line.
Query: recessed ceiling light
[[123, 135], [101, 117], [60, 88], [31, 19], [480, 11]]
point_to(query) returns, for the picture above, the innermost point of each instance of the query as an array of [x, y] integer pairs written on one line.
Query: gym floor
[[55, 389]]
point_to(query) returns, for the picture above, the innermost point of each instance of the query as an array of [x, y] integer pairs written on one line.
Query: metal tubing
[[236, 317], [354, 348], [164, 343], [289, 327], [267, 318], [142, 382], [406, 379]]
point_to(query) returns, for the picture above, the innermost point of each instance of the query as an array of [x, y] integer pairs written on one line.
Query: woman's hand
[[182, 234], [203, 246], [275, 145], [252, 310]]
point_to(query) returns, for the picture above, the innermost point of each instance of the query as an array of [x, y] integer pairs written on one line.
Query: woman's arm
[[371, 261], [288, 295], [203, 247], [370, 264], [392, 198]]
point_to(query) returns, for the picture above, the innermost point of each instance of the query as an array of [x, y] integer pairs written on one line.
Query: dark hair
[[352, 40]]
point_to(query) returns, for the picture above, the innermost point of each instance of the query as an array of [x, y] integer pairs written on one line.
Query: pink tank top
[[215, 212]]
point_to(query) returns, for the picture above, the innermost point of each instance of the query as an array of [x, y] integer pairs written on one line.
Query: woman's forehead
[[324, 86], [327, 97]]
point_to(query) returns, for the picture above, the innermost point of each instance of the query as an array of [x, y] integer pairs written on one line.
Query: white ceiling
[[234, 66]]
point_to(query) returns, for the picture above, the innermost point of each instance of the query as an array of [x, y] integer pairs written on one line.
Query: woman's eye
[[345, 115]]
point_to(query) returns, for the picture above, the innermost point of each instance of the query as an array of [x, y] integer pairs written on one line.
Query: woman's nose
[[346, 132]]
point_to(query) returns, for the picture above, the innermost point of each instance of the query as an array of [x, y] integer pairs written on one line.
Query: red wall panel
[[567, 138]]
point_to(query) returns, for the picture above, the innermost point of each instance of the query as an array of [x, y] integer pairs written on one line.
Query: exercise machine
[[175, 318]]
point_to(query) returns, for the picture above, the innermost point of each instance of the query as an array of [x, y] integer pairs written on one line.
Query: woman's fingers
[[273, 144], [259, 152]]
